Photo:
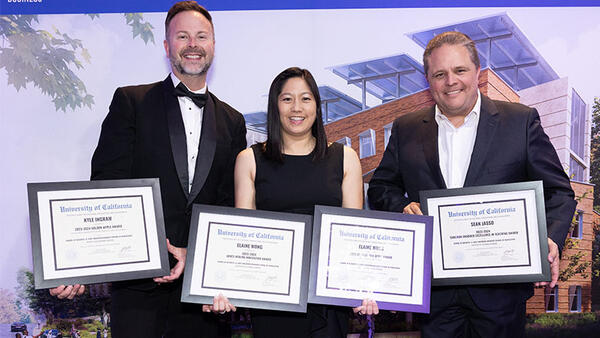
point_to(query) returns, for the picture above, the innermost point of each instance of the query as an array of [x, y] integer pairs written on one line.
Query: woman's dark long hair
[[273, 147]]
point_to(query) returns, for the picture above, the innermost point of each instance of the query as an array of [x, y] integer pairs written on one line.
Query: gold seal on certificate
[[488, 234], [257, 259], [99, 231]]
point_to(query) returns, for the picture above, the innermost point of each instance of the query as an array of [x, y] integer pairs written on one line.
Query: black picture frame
[[195, 285], [42, 220], [502, 193]]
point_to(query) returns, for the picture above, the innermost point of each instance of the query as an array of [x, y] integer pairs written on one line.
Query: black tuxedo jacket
[[510, 146], [143, 136]]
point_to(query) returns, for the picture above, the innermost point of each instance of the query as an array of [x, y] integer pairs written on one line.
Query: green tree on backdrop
[[40, 301], [578, 264], [48, 60]]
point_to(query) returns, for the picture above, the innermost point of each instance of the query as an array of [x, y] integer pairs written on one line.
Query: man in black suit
[[469, 140], [179, 132]]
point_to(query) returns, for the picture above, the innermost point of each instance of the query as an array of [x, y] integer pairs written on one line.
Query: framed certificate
[[359, 254], [488, 234], [95, 232], [257, 259]]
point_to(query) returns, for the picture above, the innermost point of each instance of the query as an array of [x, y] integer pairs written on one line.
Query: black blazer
[[510, 146], [143, 136]]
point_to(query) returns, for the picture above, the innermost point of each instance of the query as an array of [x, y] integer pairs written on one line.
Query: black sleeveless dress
[[296, 186]]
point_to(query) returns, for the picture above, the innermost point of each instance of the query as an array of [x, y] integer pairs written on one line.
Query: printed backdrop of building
[[512, 70]]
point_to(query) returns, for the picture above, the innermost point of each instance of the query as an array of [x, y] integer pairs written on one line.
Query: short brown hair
[[451, 38], [183, 6]]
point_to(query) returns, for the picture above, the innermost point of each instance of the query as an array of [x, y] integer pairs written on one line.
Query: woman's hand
[[368, 307], [220, 305]]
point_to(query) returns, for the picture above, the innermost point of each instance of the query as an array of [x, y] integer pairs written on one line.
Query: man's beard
[[178, 63]]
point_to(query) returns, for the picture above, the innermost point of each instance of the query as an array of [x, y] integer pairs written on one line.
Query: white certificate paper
[[99, 231], [486, 234], [369, 259], [258, 256]]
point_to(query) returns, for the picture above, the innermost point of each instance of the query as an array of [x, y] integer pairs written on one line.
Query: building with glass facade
[[512, 70]]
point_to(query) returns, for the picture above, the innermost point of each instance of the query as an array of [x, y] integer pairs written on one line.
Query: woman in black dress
[[292, 171]]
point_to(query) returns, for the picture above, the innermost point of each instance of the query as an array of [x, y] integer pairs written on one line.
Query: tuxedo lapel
[[176, 134], [429, 139], [488, 122], [206, 150]]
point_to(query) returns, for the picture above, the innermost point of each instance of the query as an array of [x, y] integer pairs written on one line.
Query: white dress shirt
[[192, 122], [455, 145]]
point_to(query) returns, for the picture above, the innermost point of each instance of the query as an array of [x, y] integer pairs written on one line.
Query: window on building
[[577, 230], [253, 137], [575, 298], [576, 170], [551, 299], [367, 143], [387, 131], [577, 124], [345, 141], [324, 111]]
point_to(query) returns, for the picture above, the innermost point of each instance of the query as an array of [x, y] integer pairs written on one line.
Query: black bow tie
[[199, 99]]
